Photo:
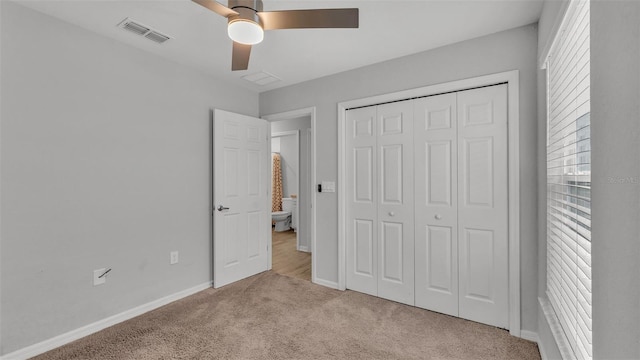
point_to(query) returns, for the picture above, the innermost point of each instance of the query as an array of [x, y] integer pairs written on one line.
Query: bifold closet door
[[483, 205], [395, 202], [436, 203], [380, 234], [459, 224], [362, 201], [461, 204]]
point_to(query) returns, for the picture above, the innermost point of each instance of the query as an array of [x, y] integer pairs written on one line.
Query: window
[[569, 179]]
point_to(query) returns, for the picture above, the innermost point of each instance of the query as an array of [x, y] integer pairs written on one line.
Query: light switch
[[328, 186]]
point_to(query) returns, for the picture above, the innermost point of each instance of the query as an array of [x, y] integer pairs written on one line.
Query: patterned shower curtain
[[276, 182]]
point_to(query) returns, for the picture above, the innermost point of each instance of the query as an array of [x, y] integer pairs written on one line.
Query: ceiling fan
[[247, 22]]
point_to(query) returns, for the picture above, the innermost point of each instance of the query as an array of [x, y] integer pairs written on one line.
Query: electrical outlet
[[97, 279], [174, 257]]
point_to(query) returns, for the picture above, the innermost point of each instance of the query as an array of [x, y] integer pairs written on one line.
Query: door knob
[[391, 213], [220, 208], [438, 217]]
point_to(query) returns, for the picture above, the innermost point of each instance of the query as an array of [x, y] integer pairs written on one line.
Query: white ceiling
[[388, 29]]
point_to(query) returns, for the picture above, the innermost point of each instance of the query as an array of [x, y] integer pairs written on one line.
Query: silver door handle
[[438, 217], [391, 213], [220, 208]]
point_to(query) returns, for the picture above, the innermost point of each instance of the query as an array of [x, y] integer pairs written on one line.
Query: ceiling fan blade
[[240, 57], [216, 7], [309, 19]]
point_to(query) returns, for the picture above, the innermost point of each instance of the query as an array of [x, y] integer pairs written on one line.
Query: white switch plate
[[328, 186], [174, 257], [97, 280]]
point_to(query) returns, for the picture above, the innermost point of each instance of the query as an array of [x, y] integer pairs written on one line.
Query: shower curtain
[[276, 182]]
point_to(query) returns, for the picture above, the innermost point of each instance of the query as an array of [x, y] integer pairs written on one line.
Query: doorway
[[292, 144]]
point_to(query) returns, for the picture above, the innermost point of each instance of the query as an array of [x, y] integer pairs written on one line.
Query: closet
[[427, 220]]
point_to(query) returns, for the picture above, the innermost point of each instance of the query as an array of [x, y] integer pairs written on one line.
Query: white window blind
[[569, 179]]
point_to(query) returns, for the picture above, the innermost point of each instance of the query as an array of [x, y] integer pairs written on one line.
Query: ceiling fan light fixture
[[245, 32]]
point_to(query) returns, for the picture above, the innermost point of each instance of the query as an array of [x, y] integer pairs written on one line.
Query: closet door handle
[[438, 217], [391, 213], [220, 208]]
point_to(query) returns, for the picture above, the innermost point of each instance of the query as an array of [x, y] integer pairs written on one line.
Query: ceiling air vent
[[157, 37], [262, 78], [143, 30]]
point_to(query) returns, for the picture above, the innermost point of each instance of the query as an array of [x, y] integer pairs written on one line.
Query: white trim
[[342, 199], [309, 197], [269, 190], [530, 335], [512, 79], [327, 283], [556, 329], [513, 101], [541, 346], [543, 351], [57, 341], [553, 34], [310, 111]]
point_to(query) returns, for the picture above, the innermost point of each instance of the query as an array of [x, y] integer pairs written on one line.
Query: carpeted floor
[[270, 316]]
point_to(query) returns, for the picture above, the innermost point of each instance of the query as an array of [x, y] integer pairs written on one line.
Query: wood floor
[[287, 260]]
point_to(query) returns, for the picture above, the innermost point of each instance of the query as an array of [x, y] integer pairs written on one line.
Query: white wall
[[289, 153], [301, 124], [105, 162], [508, 50], [275, 144]]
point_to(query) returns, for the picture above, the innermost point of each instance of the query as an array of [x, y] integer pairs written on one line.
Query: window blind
[[569, 179]]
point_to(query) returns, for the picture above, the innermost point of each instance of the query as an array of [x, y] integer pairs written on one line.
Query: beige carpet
[[270, 316]]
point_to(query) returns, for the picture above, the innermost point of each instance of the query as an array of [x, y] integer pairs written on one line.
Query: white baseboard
[[529, 335], [327, 283], [303, 248], [543, 353], [73, 335]]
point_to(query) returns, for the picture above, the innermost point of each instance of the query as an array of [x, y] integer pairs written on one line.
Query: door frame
[[295, 133], [511, 78], [293, 114]]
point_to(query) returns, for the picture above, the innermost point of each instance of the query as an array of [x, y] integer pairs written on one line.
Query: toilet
[[289, 205], [282, 220]]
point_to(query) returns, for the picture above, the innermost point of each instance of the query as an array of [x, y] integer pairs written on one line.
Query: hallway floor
[[287, 260]]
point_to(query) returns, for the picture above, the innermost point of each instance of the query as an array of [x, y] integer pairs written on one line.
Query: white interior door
[[483, 205], [436, 203], [395, 202], [362, 201], [242, 214]]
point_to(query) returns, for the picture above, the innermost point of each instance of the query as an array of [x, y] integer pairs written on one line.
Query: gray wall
[[105, 154], [504, 51], [304, 195], [615, 144]]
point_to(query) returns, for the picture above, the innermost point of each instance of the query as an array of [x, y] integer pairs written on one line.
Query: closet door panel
[[362, 201], [436, 257], [395, 202], [482, 205]]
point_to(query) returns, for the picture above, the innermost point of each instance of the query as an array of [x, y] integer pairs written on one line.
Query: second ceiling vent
[[143, 30]]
